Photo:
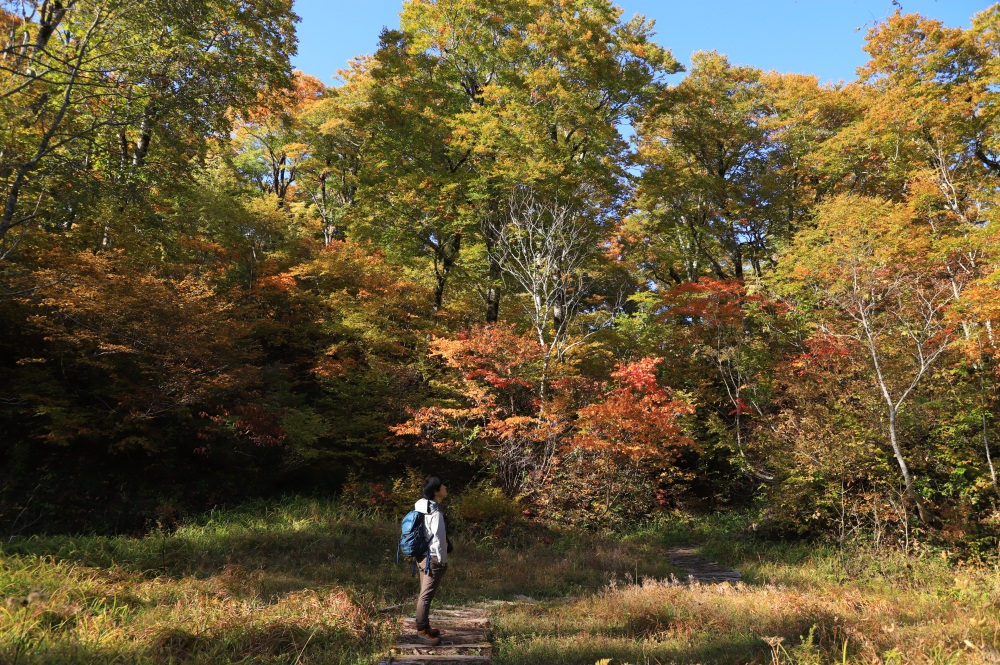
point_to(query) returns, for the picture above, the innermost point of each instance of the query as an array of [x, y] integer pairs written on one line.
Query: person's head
[[434, 489]]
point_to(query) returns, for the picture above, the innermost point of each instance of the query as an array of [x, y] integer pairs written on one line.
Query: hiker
[[438, 548]]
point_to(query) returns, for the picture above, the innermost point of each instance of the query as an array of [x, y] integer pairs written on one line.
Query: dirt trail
[[699, 569]]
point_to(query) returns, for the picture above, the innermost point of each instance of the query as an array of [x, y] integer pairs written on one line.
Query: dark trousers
[[429, 582]]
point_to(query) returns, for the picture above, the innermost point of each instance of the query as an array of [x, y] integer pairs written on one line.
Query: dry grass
[[89, 615], [809, 617], [302, 581], [295, 582]]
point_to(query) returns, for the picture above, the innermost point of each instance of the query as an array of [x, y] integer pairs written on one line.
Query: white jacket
[[434, 529]]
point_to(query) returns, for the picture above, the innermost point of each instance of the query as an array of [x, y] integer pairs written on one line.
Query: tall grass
[[799, 603], [303, 581], [299, 581]]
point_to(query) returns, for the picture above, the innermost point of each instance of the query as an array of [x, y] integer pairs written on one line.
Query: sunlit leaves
[[638, 420]]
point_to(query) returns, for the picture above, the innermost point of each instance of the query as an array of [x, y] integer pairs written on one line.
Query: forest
[[518, 246]]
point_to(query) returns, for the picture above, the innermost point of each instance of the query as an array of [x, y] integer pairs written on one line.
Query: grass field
[[302, 582]]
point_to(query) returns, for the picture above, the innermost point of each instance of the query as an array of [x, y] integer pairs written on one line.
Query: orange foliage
[[708, 302], [495, 354], [638, 420], [498, 419], [372, 303], [157, 348], [823, 354]]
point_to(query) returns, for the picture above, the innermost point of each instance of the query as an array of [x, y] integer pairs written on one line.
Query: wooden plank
[[452, 630], [699, 569], [456, 617], [435, 619], [447, 638], [401, 652], [465, 639], [449, 625], [472, 637], [425, 660], [444, 645], [441, 660], [456, 658]]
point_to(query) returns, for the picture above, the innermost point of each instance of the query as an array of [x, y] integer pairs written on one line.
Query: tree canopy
[[508, 245]]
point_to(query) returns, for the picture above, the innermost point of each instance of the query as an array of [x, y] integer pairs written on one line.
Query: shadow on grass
[[644, 638], [276, 642], [267, 551], [719, 650]]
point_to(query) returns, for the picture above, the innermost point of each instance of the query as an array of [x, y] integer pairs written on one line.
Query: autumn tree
[[636, 429], [269, 140], [490, 412], [726, 171], [90, 86], [472, 100], [870, 273], [546, 247], [330, 176]]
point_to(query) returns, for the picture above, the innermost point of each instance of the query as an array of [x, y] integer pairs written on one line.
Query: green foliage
[[485, 510], [220, 279]]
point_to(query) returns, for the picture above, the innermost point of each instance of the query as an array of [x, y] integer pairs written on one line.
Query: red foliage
[[825, 353], [497, 418], [495, 354], [709, 302], [638, 420], [254, 423]]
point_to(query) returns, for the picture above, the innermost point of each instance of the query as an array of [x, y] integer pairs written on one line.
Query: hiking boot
[[433, 632], [427, 638]]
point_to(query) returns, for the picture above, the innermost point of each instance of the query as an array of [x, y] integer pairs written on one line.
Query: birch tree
[[869, 274], [544, 247]]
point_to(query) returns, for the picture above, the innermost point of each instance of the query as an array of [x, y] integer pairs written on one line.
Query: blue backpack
[[413, 541]]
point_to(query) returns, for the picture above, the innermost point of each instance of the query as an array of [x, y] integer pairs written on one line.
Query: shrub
[[485, 509]]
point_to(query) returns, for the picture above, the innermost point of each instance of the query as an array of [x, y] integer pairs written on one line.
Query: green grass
[[302, 581], [800, 603]]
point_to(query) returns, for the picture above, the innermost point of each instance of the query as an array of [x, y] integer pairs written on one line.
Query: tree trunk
[[491, 231], [922, 510], [493, 290], [145, 136], [10, 205], [445, 255], [439, 291]]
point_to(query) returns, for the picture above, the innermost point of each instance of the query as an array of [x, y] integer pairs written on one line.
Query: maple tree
[[637, 421], [493, 416]]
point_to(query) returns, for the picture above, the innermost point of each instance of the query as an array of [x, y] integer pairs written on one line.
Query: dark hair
[[431, 487]]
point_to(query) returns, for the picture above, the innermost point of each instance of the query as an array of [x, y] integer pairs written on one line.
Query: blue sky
[[821, 37]]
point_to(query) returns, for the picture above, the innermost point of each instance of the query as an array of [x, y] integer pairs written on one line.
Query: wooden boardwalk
[[699, 569], [465, 639]]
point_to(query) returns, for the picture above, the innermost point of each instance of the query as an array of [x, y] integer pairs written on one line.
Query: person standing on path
[[438, 548]]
